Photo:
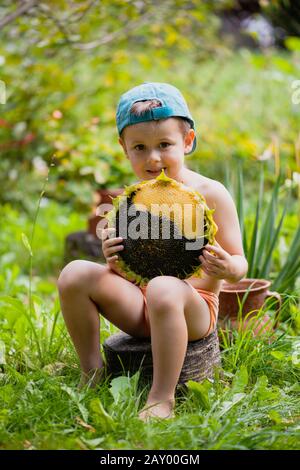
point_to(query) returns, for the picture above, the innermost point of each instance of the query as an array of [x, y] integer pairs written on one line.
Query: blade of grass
[[289, 280], [253, 243], [267, 229], [240, 207], [274, 239], [291, 263], [289, 283]]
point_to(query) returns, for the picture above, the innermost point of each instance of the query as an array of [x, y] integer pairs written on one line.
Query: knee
[[161, 293], [72, 276], [76, 275]]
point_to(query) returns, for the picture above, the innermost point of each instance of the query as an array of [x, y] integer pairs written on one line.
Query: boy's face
[[155, 145]]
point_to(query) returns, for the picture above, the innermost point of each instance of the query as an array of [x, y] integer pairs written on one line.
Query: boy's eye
[[142, 147]]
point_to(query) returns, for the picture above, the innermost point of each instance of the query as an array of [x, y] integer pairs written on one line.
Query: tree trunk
[[83, 245], [124, 353]]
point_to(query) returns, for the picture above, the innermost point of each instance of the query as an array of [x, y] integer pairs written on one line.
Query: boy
[[156, 130]]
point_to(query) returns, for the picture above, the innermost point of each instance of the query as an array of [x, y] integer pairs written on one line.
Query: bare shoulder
[[216, 194], [225, 214], [218, 198], [211, 189]]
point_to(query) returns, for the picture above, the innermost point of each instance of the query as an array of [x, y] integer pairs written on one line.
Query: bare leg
[[85, 288], [81, 316], [169, 339], [172, 309]]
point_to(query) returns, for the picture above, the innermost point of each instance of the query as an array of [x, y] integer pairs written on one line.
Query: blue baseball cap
[[173, 105]]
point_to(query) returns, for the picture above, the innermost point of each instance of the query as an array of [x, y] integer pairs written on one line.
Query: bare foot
[[162, 410], [92, 378]]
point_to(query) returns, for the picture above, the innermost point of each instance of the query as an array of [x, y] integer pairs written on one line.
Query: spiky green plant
[[261, 242]]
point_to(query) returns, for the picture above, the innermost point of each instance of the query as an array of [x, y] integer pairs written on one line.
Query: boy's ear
[[188, 140], [122, 143]]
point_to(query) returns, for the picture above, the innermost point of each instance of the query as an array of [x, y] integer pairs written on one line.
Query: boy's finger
[[113, 241], [215, 249], [112, 249], [212, 260], [112, 258]]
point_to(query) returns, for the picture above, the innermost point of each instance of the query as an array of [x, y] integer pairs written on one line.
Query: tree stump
[[124, 353], [83, 245]]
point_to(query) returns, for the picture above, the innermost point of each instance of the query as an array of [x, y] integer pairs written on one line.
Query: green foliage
[[61, 99], [65, 65], [284, 14], [62, 87], [55, 222], [106, 25], [262, 238]]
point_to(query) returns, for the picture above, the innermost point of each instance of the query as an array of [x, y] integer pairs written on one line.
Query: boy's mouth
[[157, 172]]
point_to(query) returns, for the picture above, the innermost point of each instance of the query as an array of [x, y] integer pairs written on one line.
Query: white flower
[[296, 177], [39, 165]]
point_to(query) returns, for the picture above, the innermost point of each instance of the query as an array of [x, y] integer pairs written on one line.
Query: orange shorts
[[211, 299]]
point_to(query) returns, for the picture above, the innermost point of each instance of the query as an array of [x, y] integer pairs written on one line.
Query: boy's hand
[[218, 265], [110, 245]]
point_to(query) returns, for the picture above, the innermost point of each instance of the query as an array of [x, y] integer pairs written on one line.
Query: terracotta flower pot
[[101, 196], [252, 294]]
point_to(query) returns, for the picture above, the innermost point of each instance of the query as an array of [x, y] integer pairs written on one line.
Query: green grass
[[55, 222], [251, 405]]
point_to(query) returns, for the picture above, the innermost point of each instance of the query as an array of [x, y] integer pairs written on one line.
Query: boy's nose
[[154, 155]]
